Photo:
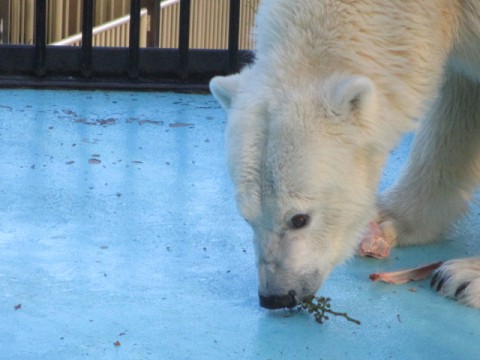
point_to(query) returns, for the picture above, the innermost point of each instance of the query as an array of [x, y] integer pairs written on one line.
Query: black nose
[[278, 302]]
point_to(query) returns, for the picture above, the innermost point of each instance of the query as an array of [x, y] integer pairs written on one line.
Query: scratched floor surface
[[119, 239]]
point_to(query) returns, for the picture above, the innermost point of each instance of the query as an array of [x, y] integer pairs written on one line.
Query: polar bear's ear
[[352, 93], [224, 89]]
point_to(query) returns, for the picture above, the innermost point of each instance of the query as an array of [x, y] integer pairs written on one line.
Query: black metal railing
[[132, 67]]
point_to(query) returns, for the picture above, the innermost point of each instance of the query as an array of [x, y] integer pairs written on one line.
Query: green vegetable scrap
[[320, 306]]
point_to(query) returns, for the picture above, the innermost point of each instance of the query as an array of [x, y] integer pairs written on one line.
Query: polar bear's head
[[305, 160]]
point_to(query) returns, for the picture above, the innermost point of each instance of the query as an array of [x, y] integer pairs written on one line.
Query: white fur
[[334, 85], [460, 279]]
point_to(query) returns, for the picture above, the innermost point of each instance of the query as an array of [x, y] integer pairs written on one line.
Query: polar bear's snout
[[278, 302], [284, 284]]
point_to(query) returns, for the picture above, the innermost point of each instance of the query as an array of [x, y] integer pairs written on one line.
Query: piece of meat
[[403, 276], [374, 244]]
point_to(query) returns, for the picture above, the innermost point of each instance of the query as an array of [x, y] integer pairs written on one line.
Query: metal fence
[[87, 66], [209, 24], [113, 33], [208, 30], [63, 18]]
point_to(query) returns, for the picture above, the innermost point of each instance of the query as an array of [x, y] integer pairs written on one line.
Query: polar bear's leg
[[442, 171], [459, 279]]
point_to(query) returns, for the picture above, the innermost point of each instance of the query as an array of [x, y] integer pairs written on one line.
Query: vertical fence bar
[[155, 25], [40, 36], [153, 8], [233, 36], [184, 38], [134, 44], [87, 28]]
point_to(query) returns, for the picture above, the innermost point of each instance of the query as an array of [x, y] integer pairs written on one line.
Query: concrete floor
[[119, 239]]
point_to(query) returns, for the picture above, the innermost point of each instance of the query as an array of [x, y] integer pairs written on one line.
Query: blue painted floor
[[119, 239]]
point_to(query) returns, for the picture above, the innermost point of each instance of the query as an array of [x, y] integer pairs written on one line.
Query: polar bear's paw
[[460, 280], [377, 240]]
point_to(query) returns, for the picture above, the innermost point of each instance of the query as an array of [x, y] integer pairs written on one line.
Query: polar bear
[[334, 85]]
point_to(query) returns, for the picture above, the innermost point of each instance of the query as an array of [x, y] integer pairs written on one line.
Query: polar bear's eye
[[299, 220]]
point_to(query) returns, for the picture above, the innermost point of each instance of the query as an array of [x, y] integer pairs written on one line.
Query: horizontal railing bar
[[111, 61], [101, 84], [168, 3]]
